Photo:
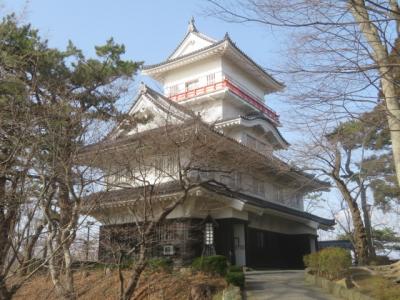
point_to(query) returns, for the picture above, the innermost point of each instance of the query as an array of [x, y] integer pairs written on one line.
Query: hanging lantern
[[208, 231]]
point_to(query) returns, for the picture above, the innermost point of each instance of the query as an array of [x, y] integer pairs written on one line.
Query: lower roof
[[251, 200], [124, 196]]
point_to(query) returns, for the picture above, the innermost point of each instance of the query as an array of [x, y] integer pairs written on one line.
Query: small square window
[[191, 85]]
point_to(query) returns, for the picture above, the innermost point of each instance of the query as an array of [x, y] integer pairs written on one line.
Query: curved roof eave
[[159, 100], [285, 144], [226, 42], [239, 121], [264, 204]]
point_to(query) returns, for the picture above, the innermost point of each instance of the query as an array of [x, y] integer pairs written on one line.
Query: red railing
[[226, 83]]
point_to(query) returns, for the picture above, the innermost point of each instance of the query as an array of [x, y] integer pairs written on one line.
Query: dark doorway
[[266, 249]]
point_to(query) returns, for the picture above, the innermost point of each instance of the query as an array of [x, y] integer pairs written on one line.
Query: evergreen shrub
[[235, 278], [235, 269], [216, 264], [160, 264]]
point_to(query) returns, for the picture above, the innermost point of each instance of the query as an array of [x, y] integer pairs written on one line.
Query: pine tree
[[67, 96]]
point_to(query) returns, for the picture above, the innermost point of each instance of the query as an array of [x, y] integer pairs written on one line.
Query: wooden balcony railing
[[226, 83]]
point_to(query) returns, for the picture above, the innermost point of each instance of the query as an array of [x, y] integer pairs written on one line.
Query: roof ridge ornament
[[191, 26], [142, 88]]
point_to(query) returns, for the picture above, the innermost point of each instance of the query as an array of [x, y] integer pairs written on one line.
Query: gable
[[156, 115], [192, 42], [151, 110]]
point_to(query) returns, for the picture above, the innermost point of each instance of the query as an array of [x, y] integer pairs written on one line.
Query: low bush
[[235, 269], [216, 264], [235, 278], [160, 264], [311, 261], [331, 263]]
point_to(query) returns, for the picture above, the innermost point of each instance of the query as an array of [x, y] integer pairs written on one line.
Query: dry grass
[[375, 285], [95, 284], [391, 272]]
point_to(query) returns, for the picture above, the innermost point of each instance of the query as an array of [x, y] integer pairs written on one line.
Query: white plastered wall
[[193, 71], [233, 109], [242, 78]]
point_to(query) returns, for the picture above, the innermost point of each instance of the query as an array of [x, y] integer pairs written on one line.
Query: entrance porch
[[244, 245]]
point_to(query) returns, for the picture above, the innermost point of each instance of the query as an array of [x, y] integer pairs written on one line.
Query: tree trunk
[[69, 278], [134, 279], [360, 236], [367, 221], [4, 293], [393, 115], [27, 259], [381, 57], [8, 216]]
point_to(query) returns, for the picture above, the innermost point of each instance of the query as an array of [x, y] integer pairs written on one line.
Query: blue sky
[[149, 29]]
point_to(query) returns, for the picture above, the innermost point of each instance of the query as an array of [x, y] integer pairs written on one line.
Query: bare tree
[[158, 170], [342, 54], [329, 155]]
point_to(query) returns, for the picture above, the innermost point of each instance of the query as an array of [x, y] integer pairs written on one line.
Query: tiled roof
[[260, 116], [272, 160], [200, 35], [215, 45], [127, 194], [156, 98], [251, 60], [219, 189], [147, 67]]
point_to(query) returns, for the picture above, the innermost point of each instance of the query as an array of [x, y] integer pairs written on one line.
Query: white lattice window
[[238, 180], [173, 90], [167, 164], [210, 78], [257, 186]]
